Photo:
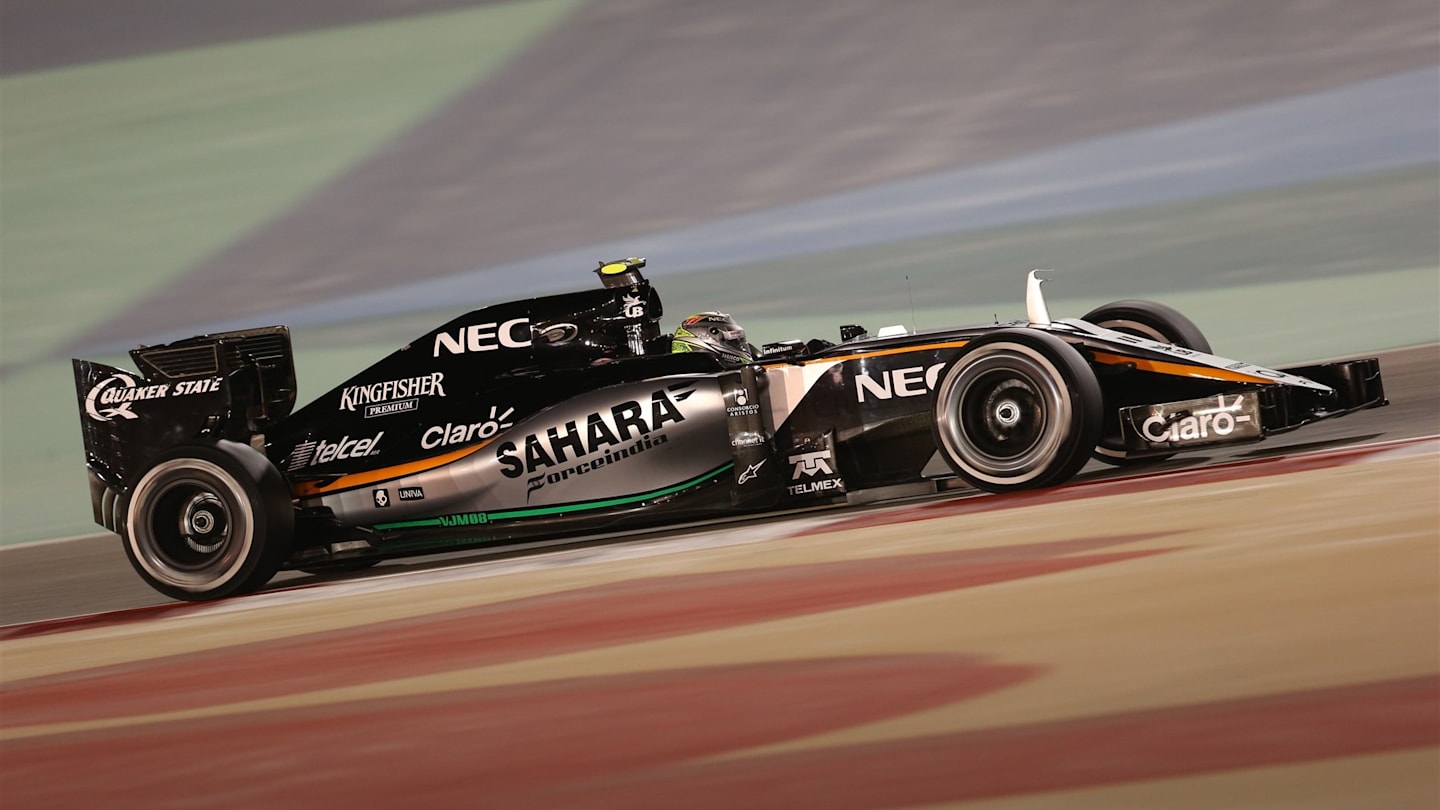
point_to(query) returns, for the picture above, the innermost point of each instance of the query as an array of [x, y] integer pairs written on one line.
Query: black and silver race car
[[572, 413]]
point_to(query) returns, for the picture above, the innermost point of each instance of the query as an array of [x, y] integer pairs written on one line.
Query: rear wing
[[228, 385]]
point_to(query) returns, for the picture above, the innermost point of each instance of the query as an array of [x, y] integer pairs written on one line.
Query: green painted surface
[[561, 509], [117, 177]]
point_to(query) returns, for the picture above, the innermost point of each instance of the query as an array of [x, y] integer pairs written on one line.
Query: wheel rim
[[205, 523], [186, 529], [1007, 417], [1002, 416], [189, 526]]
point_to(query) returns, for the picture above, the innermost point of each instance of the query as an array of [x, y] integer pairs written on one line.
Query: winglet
[[1035, 300]]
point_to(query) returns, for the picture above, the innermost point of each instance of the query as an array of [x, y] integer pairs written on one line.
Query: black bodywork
[[569, 413]]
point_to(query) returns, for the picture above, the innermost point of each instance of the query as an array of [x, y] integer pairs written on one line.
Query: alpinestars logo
[[751, 473]]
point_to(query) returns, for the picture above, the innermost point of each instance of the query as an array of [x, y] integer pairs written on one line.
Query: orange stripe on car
[[954, 344], [1179, 369], [306, 488]]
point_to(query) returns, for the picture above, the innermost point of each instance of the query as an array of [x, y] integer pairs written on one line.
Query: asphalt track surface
[[1260, 633], [81, 576]]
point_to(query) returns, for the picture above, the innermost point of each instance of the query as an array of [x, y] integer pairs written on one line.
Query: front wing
[[1251, 413]]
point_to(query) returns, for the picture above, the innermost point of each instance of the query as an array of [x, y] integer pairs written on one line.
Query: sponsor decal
[[460, 433], [743, 406], [751, 473], [322, 451], [781, 348], [392, 396], [300, 456], [535, 483], [389, 408], [1260, 371], [464, 519], [112, 397], [809, 465], [1201, 421], [382, 498], [914, 381], [814, 473], [485, 337], [1153, 345], [209, 385], [437, 542], [411, 493], [748, 438], [603, 438], [634, 307], [558, 333]]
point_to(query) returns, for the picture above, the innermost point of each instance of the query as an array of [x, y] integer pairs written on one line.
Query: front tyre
[[208, 521], [1157, 322], [1148, 319], [1020, 409]]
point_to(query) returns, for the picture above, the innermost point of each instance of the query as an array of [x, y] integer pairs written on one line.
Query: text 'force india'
[[571, 413]]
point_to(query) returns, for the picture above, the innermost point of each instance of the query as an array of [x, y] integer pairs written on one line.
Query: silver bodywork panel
[[639, 437]]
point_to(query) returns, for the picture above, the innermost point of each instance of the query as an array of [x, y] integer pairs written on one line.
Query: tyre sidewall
[[1152, 320], [1155, 321], [1072, 410], [257, 515]]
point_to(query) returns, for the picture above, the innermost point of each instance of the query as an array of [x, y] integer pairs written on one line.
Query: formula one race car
[[572, 413]]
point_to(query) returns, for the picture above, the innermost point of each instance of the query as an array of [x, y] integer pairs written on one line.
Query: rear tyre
[[208, 521], [1157, 322], [1020, 409]]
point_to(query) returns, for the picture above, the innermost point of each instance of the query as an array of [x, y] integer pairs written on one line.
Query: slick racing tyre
[[1157, 322], [1148, 319], [208, 521], [1019, 409]]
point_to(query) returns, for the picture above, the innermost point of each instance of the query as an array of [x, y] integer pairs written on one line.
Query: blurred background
[[364, 169]]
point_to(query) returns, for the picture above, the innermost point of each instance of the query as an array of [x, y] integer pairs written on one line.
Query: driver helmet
[[713, 332]]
